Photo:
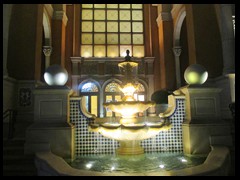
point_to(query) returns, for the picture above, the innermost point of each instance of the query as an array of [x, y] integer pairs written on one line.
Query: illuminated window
[[112, 94], [104, 25], [91, 92], [140, 95]]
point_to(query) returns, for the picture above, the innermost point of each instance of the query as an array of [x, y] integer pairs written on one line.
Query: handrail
[[11, 113]]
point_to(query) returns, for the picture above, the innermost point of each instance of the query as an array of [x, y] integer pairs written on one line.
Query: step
[[21, 160], [19, 167], [19, 173], [17, 157]]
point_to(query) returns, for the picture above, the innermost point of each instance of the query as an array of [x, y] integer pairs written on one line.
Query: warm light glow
[[86, 54], [193, 77], [195, 74], [128, 89], [161, 166], [183, 160], [129, 129], [123, 50], [89, 165]]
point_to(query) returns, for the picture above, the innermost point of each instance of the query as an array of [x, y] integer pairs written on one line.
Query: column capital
[[60, 15], [47, 50], [177, 50], [164, 16]]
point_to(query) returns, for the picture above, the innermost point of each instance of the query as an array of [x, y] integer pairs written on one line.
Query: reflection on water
[[138, 163]]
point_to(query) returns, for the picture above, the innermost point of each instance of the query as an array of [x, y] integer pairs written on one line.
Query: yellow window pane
[[137, 38], [141, 98], [124, 15], [112, 51], [118, 98], [87, 14], [138, 51], [94, 105], [137, 6], [108, 98], [86, 26], [125, 38], [99, 51], [140, 88], [125, 27], [112, 15], [99, 27], [108, 111], [112, 6], [86, 38], [87, 5], [99, 5], [86, 51], [127, 6], [99, 15], [137, 26], [99, 38], [112, 27], [123, 50], [112, 38], [135, 96], [137, 15]]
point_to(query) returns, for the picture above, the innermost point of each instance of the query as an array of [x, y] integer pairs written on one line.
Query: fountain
[[130, 129]]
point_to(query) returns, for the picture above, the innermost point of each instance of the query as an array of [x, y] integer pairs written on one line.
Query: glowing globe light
[[195, 74], [56, 75]]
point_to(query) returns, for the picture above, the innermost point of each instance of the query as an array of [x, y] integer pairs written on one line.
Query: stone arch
[[109, 81], [177, 49], [47, 39], [47, 28], [178, 26], [90, 80]]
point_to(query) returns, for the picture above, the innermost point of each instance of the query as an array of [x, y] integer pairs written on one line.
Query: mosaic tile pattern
[[171, 140], [89, 143]]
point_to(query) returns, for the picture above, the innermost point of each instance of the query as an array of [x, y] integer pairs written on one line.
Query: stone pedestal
[[51, 129], [130, 148], [203, 125]]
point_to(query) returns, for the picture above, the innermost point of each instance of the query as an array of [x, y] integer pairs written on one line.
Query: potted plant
[[160, 97]]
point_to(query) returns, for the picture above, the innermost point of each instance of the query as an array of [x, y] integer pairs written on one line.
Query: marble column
[[47, 50], [228, 40], [177, 52]]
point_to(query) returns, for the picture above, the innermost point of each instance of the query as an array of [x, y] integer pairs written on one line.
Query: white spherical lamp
[[195, 74], [55, 75]]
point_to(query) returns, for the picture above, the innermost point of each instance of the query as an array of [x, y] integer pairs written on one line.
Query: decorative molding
[[25, 95], [47, 50], [49, 9], [60, 15], [177, 50]]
